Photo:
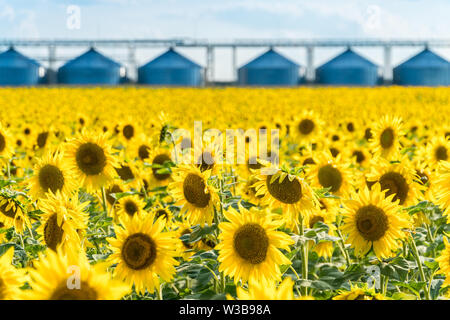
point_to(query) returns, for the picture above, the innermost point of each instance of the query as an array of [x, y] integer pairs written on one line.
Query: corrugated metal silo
[[269, 69], [171, 69], [349, 69], [18, 70], [424, 69], [91, 68]]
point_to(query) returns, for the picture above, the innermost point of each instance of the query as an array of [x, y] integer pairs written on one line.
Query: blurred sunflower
[[289, 192], [159, 158], [51, 279], [90, 157], [51, 173], [11, 279], [359, 293], [306, 128], [330, 172], [438, 149], [249, 247], [264, 291], [6, 145], [397, 178], [386, 136], [143, 253], [12, 211], [130, 206], [62, 221], [444, 262], [192, 191], [373, 221]]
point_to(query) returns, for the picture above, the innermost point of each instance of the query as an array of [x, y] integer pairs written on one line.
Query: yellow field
[[91, 193]]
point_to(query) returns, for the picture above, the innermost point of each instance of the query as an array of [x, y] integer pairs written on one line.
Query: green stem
[[343, 249], [105, 208], [159, 292], [304, 254], [419, 264]]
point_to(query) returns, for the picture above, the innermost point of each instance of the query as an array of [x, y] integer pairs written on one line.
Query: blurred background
[[232, 42]]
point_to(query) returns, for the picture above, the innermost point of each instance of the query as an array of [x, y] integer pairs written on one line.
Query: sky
[[227, 20]]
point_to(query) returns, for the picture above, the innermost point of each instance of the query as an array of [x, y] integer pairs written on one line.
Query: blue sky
[[231, 19]]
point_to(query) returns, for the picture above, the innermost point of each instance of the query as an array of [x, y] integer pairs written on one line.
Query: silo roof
[[171, 59], [426, 58], [91, 58], [271, 59], [349, 58], [13, 58]]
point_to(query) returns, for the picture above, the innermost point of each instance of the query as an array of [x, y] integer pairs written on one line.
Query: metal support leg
[[132, 71], [387, 72], [209, 65], [51, 57], [310, 72], [235, 70]]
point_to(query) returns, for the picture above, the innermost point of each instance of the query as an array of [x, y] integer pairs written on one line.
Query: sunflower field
[[94, 206]]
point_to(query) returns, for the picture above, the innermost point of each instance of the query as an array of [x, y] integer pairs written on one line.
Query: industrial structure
[[171, 69], [91, 68], [17, 70], [348, 69], [424, 69], [428, 69], [269, 69]]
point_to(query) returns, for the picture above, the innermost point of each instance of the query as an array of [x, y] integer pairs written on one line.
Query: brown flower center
[[194, 191], [51, 178], [371, 222], [287, 191], [306, 126], [396, 184], [330, 177], [53, 233], [139, 251], [91, 158], [251, 243]]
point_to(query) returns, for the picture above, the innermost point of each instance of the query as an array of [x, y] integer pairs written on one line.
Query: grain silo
[[269, 69], [91, 68], [348, 69], [424, 69], [171, 69], [18, 70]]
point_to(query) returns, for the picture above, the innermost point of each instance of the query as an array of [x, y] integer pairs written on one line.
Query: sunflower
[[59, 275], [331, 172], [262, 291], [386, 136], [115, 187], [373, 221], [159, 210], [6, 145], [185, 249], [438, 149], [129, 206], [130, 175], [140, 149], [11, 279], [289, 192], [444, 262], [359, 293], [326, 214], [247, 190], [249, 247], [143, 253], [192, 192], [442, 188], [159, 174], [306, 128], [398, 178], [12, 212], [62, 221], [90, 157], [51, 173]]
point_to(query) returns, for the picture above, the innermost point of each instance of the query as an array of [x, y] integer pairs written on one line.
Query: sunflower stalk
[[419, 264], [304, 253]]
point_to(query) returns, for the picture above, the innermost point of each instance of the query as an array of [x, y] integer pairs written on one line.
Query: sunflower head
[[90, 157], [249, 246]]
